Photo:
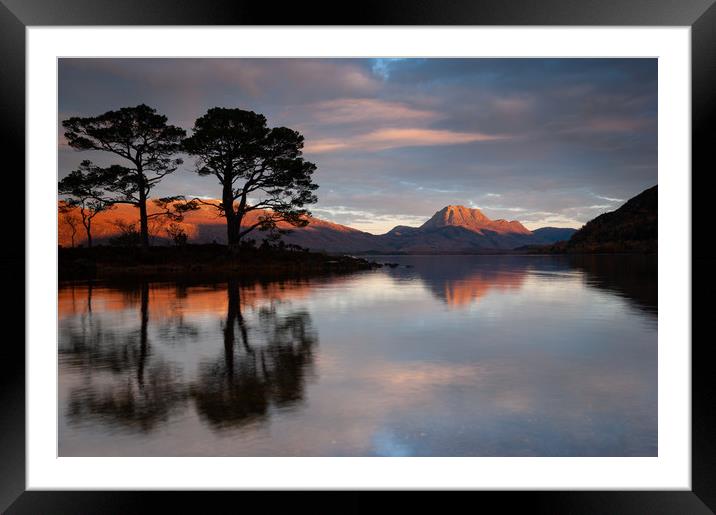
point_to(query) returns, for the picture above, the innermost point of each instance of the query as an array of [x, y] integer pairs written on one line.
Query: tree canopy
[[83, 189], [141, 137], [258, 168]]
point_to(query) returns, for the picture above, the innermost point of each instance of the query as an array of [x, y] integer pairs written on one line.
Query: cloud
[[364, 220], [513, 106], [608, 125], [510, 209], [551, 220], [384, 139], [353, 110], [610, 199]]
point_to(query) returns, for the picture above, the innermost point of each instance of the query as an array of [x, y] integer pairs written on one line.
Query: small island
[[203, 261]]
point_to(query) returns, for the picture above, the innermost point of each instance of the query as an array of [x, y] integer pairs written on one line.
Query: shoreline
[[201, 261], [215, 263], [513, 253]]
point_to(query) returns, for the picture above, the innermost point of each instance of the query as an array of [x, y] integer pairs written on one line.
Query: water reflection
[[633, 277], [241, 386], [263, 364], [446, 356], [467, 279], [462, 283], [134, 397]]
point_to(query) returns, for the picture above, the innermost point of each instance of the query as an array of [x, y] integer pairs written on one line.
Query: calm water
[[447, 356]]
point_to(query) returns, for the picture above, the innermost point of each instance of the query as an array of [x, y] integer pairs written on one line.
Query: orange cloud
[[383, 139]]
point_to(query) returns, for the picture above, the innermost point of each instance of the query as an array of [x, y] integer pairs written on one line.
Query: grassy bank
[[200, 260]]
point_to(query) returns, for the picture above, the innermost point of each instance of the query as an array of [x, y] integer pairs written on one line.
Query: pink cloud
[[322, 146], [383, 139], [350, 110]]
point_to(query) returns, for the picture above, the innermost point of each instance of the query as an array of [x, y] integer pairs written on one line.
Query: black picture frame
[[16, 15]]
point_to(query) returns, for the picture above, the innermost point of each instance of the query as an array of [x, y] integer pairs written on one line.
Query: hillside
[[554, 234], [453, 229], [631, 228]]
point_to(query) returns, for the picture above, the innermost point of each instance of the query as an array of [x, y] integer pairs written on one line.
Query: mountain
[[631, 228], [554, 234], [473, 220], [462, 229], [331, 237], [402, 230], [452, 229], [457, 229], [204, 226]]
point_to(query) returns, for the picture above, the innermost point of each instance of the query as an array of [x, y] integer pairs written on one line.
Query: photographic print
[[357, 257]]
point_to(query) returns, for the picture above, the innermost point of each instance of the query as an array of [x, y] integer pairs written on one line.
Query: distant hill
[[631, 228], [453, 229], [554, 234], [204, 226]]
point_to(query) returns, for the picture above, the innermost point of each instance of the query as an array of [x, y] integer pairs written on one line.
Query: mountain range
[[452, 229]]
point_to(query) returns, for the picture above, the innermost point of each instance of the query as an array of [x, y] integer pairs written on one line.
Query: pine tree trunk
[[143, 220], [234, 241], [232, 222]]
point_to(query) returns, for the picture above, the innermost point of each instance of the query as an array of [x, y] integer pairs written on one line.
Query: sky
[[548, 142]]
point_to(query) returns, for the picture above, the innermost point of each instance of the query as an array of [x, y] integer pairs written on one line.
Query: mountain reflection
[[461, 292], [267, 368], [469, 279], [466, 281]]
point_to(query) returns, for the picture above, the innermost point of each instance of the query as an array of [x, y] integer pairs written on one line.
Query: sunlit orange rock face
[[473, 220], [201, 226], [460, 229]]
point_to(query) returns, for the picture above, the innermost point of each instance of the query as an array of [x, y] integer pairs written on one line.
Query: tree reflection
[[140, 393], [267, 369], [123, 382], [128, 404]]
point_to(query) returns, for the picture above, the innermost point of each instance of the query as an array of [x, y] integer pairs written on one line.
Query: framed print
[[427, 248]]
